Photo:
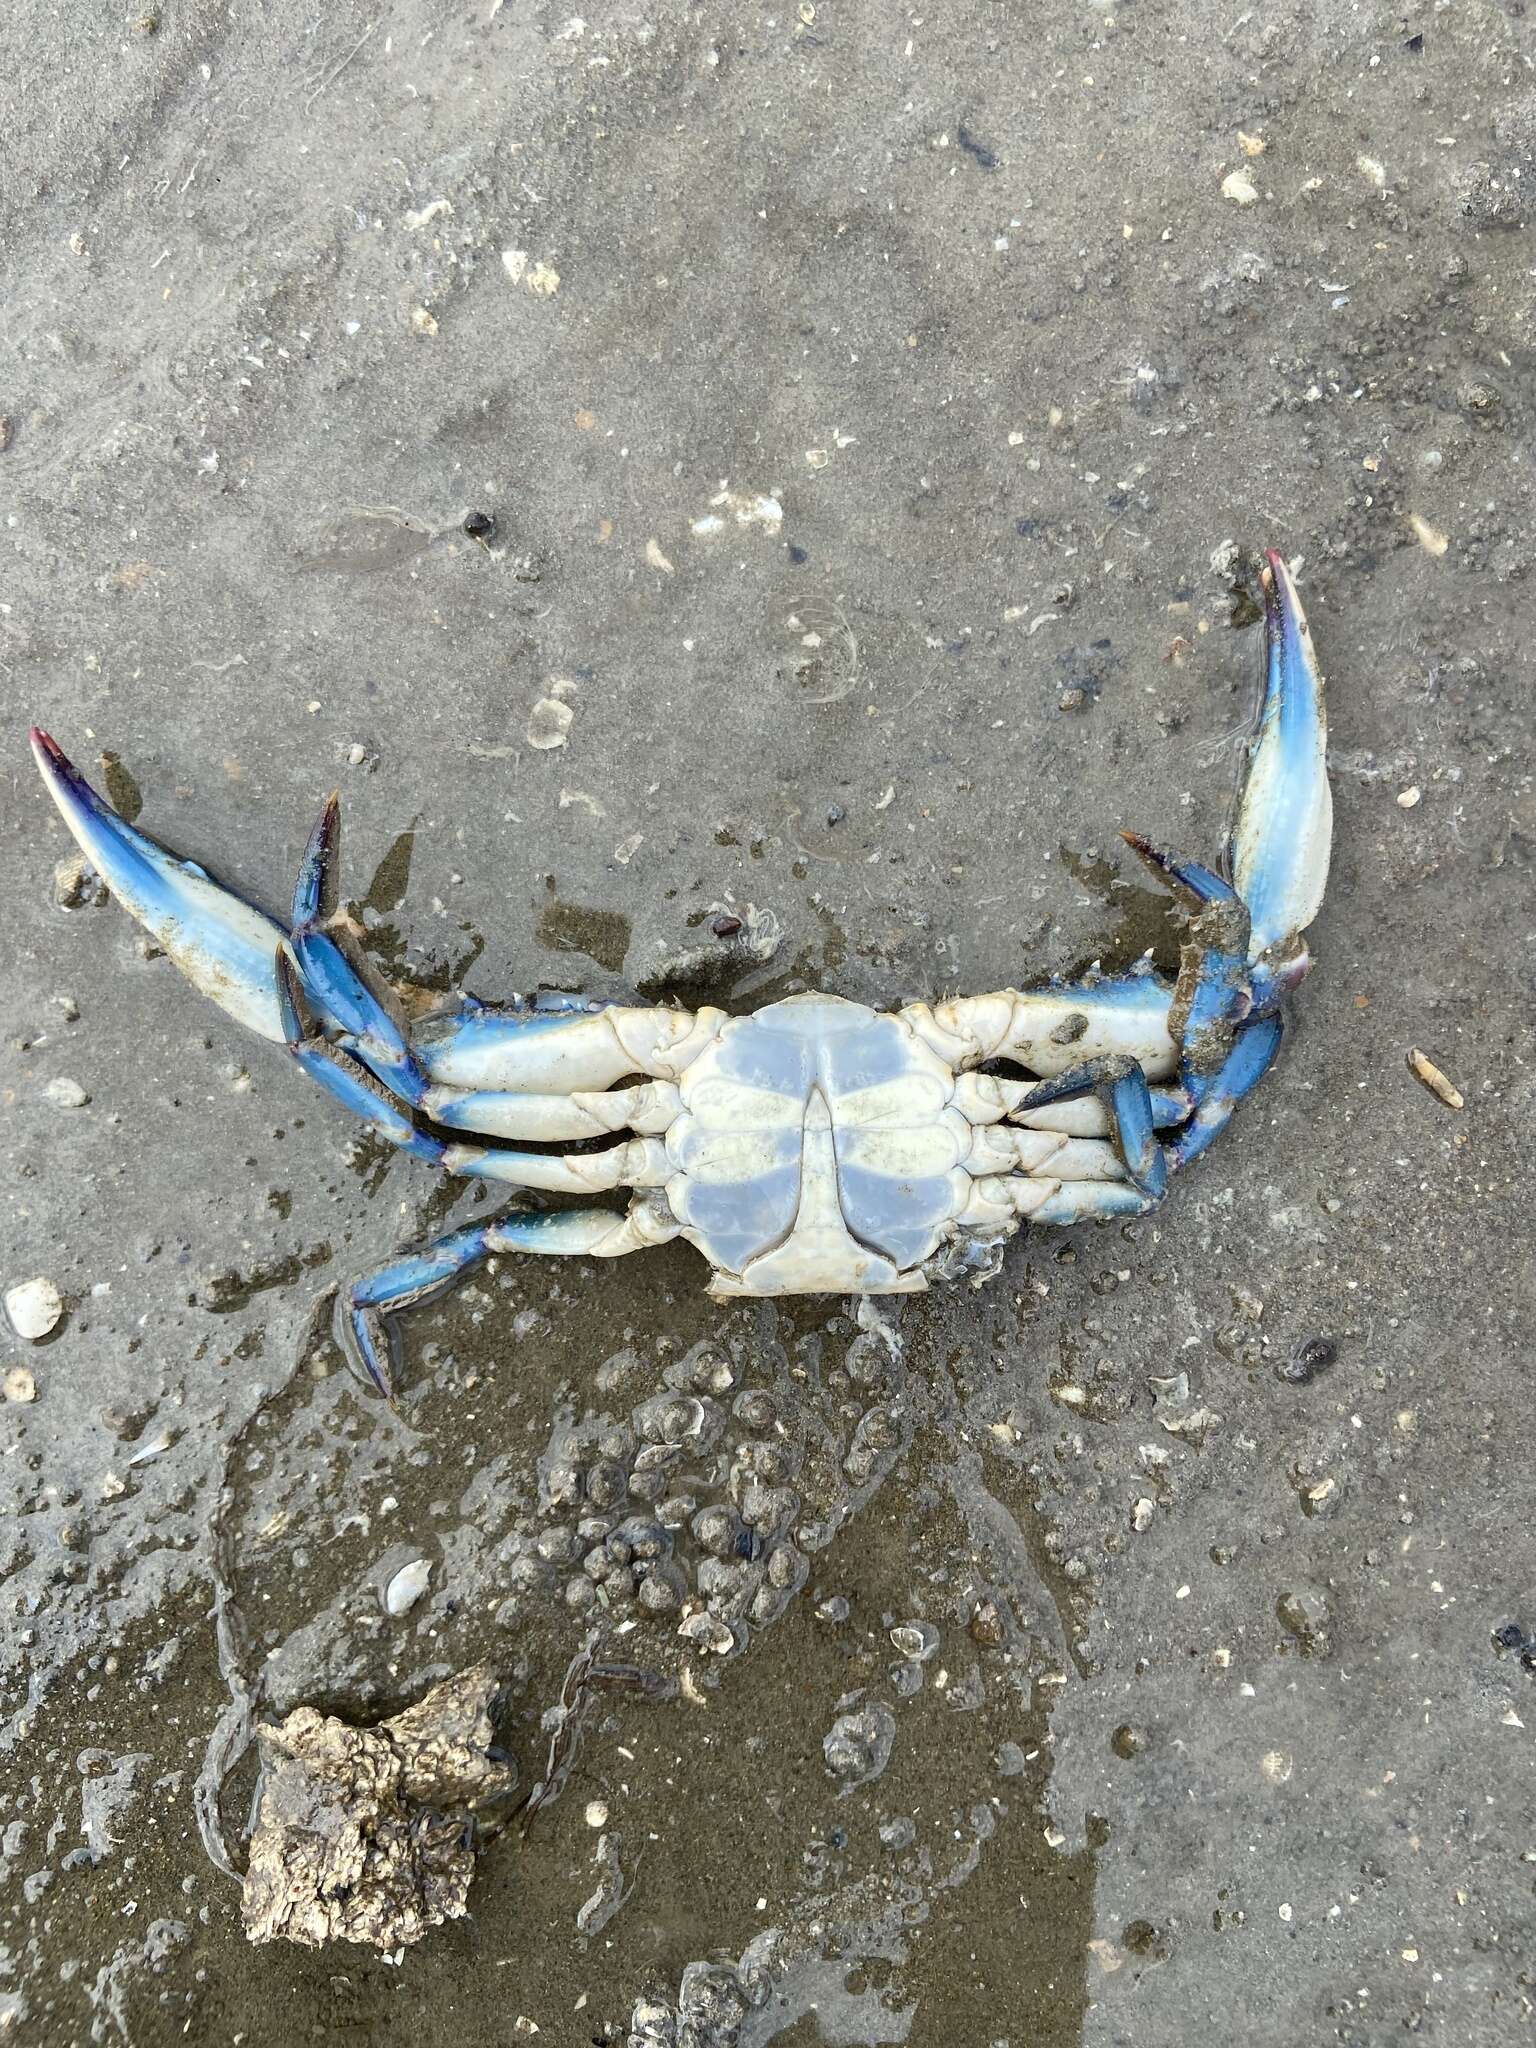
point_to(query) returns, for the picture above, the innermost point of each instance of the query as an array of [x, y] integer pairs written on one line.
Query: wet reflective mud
[[770, 1512]]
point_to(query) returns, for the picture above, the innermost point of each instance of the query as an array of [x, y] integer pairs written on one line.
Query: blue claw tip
[[1192, 883], [314, 895]]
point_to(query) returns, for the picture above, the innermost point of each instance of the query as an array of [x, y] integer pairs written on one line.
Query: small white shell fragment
[[64, 1093], [657, 560], [709, 1632], [1372, 170], [1142, 1512], [407, 1586], [748, 508], [424, 216], [1239, 188], [537, 277], [548, 723], [916, 1640], [1429, 538], [20, 1385], [1424, 1070], [33, 1308], [596, 1813], [1276, 1765], [422, 321], [1407, 798]]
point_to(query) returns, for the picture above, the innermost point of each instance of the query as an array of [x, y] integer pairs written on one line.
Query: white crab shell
[[817, 1150]]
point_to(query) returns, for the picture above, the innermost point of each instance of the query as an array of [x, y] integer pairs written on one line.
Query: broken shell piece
[[1424, 1070], [548, 723], [365, 1834], [33, 1308], [709, 1632], [407, 1586], [916, 1639]]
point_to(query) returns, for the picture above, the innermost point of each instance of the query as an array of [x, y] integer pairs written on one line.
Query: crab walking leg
[[1284, 831], [363, 1316], [221, 943], [565, 1051], [638, 1162], [1051, 1029], [988, 1099], [1078, 1201], [647, 1109]]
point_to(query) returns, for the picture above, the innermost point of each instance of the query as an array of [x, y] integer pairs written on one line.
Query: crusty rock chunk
[[367, 1834]]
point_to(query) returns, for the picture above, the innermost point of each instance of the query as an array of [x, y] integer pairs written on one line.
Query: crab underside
[[816, 1145]]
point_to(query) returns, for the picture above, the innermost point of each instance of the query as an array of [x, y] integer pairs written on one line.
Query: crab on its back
[[815, 1151], [817, 1146]]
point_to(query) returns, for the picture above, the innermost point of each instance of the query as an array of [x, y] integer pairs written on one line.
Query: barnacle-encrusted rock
[[364, 1834]]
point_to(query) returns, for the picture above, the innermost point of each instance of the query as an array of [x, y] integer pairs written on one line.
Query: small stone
[[407, 1587], [1312, 1356], [1407, 799], [987, 1626], [1304, 1615], [1276, 1765], [1129, 1741], [33, 1308], [68, 1009], [1239, 188], [596, 1814], [480, 525], [20, 1385], [64, 1093], [1142, 1512]]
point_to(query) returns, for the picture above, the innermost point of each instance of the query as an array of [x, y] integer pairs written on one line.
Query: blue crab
[[815, 1145]]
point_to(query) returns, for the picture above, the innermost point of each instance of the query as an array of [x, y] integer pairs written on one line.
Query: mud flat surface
[[878, 412]]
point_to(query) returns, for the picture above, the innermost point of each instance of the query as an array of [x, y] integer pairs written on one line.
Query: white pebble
[[66, 1094], [596, 1814], [1407, 798], [407, 1586], [20, 1385], [1239, 188], [32, 1308]]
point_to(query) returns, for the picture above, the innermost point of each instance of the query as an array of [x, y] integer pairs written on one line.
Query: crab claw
[[221, 943], [335, 978], [1284, 829]]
